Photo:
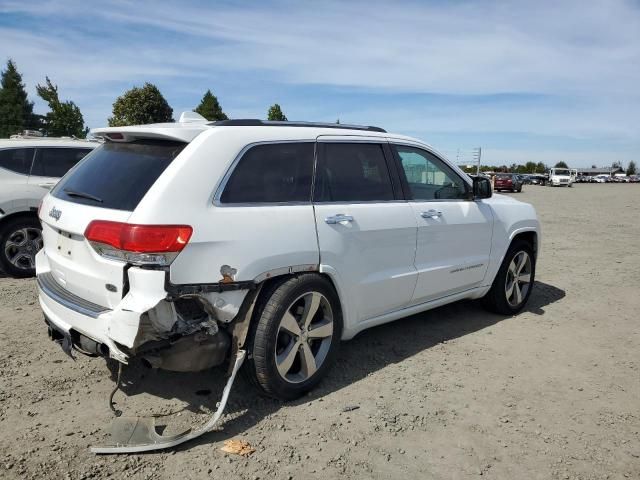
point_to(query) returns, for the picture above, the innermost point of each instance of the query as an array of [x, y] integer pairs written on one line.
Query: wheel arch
[[529, 236], [19, 214], [270, 283]]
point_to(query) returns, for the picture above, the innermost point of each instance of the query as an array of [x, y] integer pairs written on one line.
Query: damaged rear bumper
[[146, 315]]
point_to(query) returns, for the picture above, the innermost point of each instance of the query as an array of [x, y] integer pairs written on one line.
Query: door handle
[[431, 214], [338, 218]]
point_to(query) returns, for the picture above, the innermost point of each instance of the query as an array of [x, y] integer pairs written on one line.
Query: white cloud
[[584, 55]]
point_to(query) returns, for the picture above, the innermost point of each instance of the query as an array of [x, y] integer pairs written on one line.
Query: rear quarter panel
[[250, 240]]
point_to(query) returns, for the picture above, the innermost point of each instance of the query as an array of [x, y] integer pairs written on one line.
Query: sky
[[526, 81]]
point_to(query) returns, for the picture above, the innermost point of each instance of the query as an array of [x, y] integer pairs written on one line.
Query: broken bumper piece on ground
[[133, 435]]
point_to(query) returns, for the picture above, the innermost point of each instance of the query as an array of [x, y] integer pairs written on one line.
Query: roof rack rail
[[251, 122]]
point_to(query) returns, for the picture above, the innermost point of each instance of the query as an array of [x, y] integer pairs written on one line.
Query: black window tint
[[428, 177], [353, 172], [279, 172], [18, 160], [55, 162], [119, 174]]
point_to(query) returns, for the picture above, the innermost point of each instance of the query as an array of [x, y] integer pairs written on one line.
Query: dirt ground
[[553, 392]]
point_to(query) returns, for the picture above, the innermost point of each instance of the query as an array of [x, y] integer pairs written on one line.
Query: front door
[[366, 231], [454, 232]]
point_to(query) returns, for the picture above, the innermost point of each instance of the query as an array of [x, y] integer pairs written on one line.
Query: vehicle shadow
[[369, 352]]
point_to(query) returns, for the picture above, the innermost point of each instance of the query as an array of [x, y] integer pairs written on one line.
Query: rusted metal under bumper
[[133, 435]]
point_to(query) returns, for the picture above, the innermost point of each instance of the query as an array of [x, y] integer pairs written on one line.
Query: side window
[[428, 177], [279, 172], [55, 162], [17, 160], [352, 172]]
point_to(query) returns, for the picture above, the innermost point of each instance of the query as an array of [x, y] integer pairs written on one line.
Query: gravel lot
[[452, 393]]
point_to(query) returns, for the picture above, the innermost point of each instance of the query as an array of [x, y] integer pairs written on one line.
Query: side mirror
[[481, 187]]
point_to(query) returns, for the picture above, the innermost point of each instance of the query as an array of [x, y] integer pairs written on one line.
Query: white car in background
[[30, 165], [193, 243]]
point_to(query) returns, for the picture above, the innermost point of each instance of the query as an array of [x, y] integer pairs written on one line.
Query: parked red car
[[508, 181]]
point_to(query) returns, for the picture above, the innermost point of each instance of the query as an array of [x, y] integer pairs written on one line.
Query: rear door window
[[352, 172], [272, 173], [17, 160], [55, 162], [118, 175]]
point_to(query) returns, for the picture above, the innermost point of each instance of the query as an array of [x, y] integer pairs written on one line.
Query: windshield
[[117, 175], [560, 171]]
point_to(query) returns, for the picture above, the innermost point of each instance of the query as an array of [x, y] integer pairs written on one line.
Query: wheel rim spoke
[[524, 278], [308, 361], [518, 293], [311, 305], [290, 324], [321, 331], [285, 360], [509, 290], [23, 237]]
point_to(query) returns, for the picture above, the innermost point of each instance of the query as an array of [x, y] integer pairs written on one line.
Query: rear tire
[[513, 284], [20, 240], [294, 337]]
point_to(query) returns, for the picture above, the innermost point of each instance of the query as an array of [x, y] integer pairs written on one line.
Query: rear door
[[107, 185], [52, 163], [366, 230], [454, 233]]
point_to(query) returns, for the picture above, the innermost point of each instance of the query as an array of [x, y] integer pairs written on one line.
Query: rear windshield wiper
[[73, 193]]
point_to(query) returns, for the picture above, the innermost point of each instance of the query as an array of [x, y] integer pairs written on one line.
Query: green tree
[[530, 167], [275, 113], [139, 106], [16, 111], [631, 169], [64, 118], [541, 167], [209, 108], [561, 165]]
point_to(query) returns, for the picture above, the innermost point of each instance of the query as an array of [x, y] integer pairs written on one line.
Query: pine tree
[[210, 109], [64, 118], [275, 113], [16, 111]]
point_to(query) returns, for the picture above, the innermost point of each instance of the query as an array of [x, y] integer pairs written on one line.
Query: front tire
[[20, 240], [513, 284], [295, 336]]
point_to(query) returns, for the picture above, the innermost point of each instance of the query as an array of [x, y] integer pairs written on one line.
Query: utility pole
[[477, 155]]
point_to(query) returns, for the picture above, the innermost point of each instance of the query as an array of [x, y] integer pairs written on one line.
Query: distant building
[[592, 172]]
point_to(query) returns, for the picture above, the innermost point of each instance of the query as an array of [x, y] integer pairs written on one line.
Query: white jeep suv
[[29, 166], [190, 243]]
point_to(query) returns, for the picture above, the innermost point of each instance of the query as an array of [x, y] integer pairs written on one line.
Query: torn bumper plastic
[[133, 435]]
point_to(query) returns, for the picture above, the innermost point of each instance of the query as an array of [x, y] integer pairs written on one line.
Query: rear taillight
[[138, 244]]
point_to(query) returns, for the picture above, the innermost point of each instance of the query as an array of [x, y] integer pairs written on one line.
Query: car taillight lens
[[138, 244]]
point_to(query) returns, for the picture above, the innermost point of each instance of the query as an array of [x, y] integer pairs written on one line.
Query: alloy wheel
[[304, 337], [518, 280], [21, 247]]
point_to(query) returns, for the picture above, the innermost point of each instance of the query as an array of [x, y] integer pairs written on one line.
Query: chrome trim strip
[[55, 291]]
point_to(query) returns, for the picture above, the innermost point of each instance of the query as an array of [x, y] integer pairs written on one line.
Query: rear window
[[55, 162], [117, 175], [17, 160]]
